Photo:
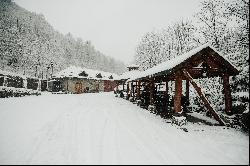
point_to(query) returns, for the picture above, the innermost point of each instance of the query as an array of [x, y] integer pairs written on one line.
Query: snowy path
[[74, 129]]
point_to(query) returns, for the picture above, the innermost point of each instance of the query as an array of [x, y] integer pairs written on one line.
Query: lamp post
[[47, 73], [36, 71], [51, 69]]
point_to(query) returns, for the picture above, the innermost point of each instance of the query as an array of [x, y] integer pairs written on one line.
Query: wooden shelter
[[202, 62]]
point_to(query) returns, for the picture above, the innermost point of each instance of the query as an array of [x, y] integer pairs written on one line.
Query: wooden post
[[203, 98], [132, 89], [227, 93], [138, 94], [127, 88], [187, 92], [151, 90], [116, 84], [166, 95], [67, 85], [178, 93], [123, 84]]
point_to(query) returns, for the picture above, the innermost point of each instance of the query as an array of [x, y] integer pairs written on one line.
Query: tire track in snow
[[140, 142], [158, 142], [63, 133]]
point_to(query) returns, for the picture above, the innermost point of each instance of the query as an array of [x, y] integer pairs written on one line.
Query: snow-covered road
[[103, 129]]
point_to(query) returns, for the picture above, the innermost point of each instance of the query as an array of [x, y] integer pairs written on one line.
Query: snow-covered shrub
[[240, 102], [16, 92], [152, 108], [245, 120], [213, 90], [179, 120]]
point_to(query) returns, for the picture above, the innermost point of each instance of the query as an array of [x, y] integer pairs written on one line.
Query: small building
[[82, 80]]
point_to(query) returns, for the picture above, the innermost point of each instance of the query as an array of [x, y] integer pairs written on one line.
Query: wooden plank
[[203, 98]]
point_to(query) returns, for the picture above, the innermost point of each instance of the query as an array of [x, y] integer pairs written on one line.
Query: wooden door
[[78, 88]]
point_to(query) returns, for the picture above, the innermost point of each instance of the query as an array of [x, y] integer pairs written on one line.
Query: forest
[[29, 45]]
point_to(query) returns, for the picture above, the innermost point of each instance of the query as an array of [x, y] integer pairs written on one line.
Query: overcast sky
[[115, 27]]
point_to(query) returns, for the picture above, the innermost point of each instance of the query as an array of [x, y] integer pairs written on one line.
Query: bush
[[245, 121], [6, 92]]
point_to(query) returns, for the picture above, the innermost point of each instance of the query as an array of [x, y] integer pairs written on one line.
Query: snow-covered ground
[[103, 129]]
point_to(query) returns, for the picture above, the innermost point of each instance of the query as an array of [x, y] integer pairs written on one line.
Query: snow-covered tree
[[29, 45], [158, 46]]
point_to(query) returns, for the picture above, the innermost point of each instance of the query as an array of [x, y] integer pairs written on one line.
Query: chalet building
[[81, 80], [202, 62]]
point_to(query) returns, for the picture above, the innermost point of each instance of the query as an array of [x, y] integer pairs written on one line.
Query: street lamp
[[51, 68]]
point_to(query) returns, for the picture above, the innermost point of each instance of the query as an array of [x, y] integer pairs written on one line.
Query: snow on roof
[[15, 74], [74, 71], [167, 65], [133, 65], [128, 74]]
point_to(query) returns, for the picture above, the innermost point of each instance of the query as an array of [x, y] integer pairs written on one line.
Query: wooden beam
[[227, 92], [178, 93], [203, 98]]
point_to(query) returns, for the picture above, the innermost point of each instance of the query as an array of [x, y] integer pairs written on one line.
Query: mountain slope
[[30, 45]]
